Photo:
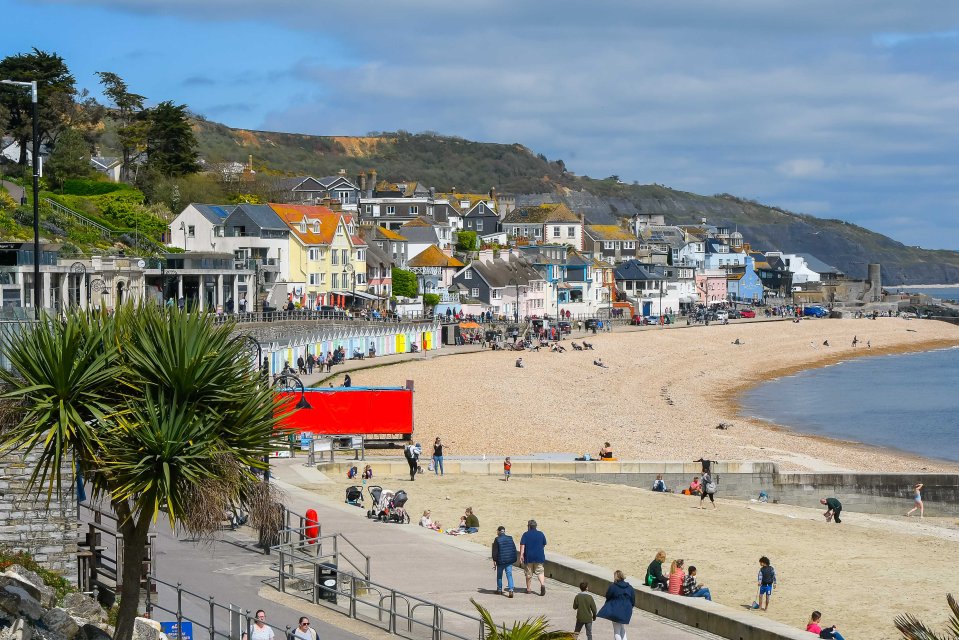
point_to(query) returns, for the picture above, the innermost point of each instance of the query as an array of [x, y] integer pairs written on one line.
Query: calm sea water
[[943, 293], [908, 402]]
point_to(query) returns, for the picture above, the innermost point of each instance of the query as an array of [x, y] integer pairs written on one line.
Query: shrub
[[431, 299], [87, 187]]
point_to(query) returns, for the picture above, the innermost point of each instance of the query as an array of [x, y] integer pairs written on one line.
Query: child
[[917, 498], [585, 608], [507, 465], [691, 588], [813, 627], [367, 472], [427, 521], [351, 473], [766, 581]]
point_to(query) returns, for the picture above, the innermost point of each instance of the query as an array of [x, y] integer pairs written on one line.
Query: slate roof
[[291, 183], [498, 272], [539, 214], [608, 233], [215, 213], [375, 255], [327, 181], [633, 270], [262, 216], [817, 265], [432, 256]]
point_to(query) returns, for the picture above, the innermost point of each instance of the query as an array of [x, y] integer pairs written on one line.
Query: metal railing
[[323, 549], [360, 598], [82, 219], [100, 561], [209, 618]]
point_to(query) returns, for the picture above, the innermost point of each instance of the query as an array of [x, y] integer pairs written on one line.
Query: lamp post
[[513, 282], [36, 190], [350, 270]]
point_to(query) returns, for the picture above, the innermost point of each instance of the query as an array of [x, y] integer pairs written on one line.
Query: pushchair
[[354, 496], [389, 506]]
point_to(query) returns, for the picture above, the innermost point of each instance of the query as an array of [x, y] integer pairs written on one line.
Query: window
[[555, 232], [536, 232], [474, 293], [335, 256], [220, 231], [629, 245], [345, 255], [314, 255], [316, 227], [414, 210], [479, 225], [361, 278], [369, 208], [468, 274], [336, 280], [360, 255], [390, 210], [497, 294], [191, 231], [314, 279], [608, 245], [570, 232]]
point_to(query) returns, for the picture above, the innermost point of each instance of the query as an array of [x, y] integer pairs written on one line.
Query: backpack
[[711, 487], [408, 451]]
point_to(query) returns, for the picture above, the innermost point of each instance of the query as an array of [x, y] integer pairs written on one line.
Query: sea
[[907, 402], [933, 291]]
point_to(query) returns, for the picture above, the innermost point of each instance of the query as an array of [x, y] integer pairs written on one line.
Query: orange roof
[[294, 214], [390, 235], [432, 256]]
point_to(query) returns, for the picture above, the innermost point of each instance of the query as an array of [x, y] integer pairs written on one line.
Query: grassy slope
[[447, 163]]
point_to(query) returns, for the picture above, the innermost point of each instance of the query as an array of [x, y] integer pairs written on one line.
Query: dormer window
[[316, 227]]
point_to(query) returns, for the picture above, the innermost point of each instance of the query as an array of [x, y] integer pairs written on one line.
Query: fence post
[[352, 595], [392, 624], [179, 608], [281, 567], [149, 604], [316, 582], [212, 619], [436, 622]]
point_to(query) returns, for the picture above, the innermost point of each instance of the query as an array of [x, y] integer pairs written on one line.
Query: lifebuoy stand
[[312, 526]]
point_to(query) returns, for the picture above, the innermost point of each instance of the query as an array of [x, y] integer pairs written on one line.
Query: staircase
[[106, 233]]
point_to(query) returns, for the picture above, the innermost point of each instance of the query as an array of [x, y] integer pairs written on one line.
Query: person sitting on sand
[[606, 451], [599, 363], [659, 484], [738, 341], [654, 572], [695, 488], [427, 521], [469, 522], [813, 626], [519, 363], [825, 343]]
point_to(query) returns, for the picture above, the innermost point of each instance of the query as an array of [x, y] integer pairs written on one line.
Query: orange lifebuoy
[[312, 526]]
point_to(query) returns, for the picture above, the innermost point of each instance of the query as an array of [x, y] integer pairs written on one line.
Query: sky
[[837, 109]]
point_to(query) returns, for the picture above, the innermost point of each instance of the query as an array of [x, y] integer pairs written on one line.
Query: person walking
[[532, 555], [304, 631], [438, 457], [585, 608], [709, 490], [504, 555], [412, 453], [261, 630], [310, 363], [347, 381], [917, 498], [618, 608]]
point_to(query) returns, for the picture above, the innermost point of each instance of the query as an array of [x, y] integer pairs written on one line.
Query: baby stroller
[[354, 496], [390, 507]]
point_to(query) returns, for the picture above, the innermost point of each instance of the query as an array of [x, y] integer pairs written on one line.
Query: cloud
[[802, 167], [198, 81]]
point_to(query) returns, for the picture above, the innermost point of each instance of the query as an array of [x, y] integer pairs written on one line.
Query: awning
[[469, 325], [358, 294]]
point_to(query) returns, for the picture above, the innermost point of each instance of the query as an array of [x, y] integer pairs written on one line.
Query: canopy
[[469, 325]]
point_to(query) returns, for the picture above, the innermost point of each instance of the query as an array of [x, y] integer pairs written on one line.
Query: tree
[[912, 628], [157, 408], [128, 111], [404, 283], [170, 143], [532, 629], [431, 299], [466, 241], [55, 95], [70, 158]]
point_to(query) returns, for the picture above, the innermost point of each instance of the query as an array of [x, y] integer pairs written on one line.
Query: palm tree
[[532, 629], [158, 409], [913, 629]]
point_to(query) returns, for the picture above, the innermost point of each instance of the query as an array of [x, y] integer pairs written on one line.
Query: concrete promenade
[[446, 569]]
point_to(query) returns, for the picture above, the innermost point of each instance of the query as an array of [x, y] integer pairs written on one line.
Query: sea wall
[[879, 493]]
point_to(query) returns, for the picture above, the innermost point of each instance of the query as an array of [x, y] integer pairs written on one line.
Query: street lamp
[[349, 269], [513, 281], [36, 191]]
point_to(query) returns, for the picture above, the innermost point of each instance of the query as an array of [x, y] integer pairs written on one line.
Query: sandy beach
[[661, 397]]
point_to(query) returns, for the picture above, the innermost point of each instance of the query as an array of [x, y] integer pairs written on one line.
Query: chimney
[[249, 163], [363, 183], [492, 194], [372, 179], [485, 255], [342, 173]]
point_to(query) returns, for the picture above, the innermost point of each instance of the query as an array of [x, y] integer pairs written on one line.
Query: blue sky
[[841, 110]]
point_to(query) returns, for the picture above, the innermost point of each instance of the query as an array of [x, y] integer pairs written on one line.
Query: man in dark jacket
[[504, 555]]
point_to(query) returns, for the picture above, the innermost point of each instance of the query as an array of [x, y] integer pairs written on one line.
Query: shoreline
[[661, 396], [734, 400]]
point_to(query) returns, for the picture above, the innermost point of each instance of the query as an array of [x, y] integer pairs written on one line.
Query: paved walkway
[[446, 569], [15, 190]]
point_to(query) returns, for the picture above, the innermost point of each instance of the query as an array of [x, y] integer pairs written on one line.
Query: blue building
[[743, 283]]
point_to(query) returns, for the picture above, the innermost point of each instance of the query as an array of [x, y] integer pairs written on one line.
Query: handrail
[[82, 219]]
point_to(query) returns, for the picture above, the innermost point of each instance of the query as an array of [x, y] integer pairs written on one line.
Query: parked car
[[592, 323], [747, 313], [815, 312], [564, 326], [637, 320], [735, 314]]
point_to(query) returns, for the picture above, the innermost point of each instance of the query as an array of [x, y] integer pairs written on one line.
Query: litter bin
[[326, 582]]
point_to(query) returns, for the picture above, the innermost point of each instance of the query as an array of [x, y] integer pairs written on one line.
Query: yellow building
[[327, 256]]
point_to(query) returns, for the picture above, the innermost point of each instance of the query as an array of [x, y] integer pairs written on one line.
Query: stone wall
[[28, 522]]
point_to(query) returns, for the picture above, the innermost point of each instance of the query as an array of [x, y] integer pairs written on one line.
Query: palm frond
[[531, 629], [912, 628]]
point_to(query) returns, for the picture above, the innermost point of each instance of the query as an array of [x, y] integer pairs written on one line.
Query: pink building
[[711, 286]]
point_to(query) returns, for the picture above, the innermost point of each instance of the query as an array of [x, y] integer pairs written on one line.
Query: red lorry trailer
[[382, 415]]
